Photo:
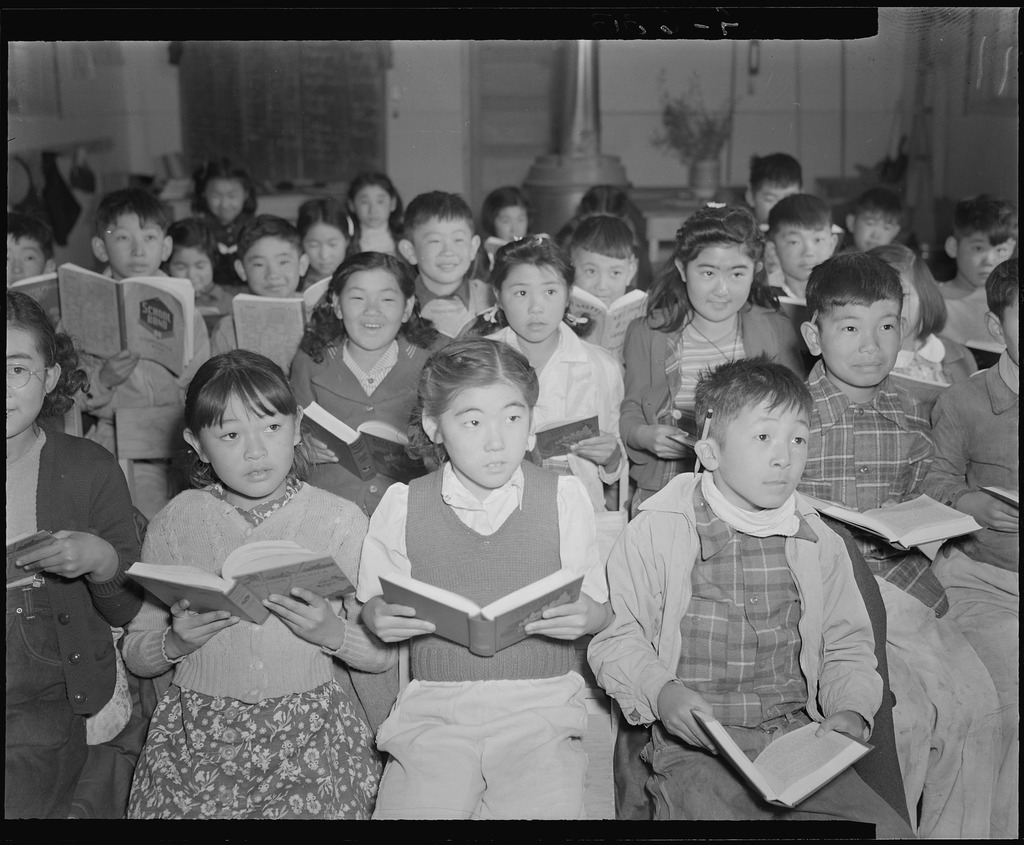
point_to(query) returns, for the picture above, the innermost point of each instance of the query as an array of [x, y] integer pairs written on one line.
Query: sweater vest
[[445, 552]]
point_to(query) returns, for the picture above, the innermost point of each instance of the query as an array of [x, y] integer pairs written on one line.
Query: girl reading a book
[[209, 753], [360, 360], [326, 230], [532, 280], [483, 737], [65, 593], [708, 305]]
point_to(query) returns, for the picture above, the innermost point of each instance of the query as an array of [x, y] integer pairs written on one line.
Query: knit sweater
[[250, 662]]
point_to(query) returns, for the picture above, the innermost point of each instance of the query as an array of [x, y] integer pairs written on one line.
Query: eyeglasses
[[18, 376]]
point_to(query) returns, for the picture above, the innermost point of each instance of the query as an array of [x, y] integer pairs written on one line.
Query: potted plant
[[695, 134]]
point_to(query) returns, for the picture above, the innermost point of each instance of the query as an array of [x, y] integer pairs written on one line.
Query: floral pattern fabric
[[259, 513], [304, 755]]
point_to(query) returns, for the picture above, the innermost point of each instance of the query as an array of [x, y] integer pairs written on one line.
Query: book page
[[90, 311], [158, 323], [921, 520], [804, 761], [271, 326], [515, 611], [315, 293]]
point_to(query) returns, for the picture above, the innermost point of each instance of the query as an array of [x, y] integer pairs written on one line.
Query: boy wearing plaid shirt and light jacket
[[870, 446]]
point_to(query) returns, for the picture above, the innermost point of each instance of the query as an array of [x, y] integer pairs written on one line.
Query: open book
[[791, 767], [483, 630], [315, 292], [23, 544], [610, 322], [153, 316], [270, 325], [1011, 497], [918, 522], [555, 438], [371, 448], [45, 290], [249, 575]]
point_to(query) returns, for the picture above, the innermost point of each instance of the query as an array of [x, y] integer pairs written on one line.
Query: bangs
[[261, 393]]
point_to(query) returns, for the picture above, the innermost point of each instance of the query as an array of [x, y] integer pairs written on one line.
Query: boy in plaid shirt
[[870, 445], [732, 597]]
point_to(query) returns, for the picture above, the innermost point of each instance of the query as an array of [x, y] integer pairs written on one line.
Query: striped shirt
[[863, 455], [740, 640], [370, 380]]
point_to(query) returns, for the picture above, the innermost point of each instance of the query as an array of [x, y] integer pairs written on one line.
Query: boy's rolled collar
[[425, 295], [831, 403]]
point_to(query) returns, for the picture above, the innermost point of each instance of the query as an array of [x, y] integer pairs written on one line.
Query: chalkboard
[[297, 111]]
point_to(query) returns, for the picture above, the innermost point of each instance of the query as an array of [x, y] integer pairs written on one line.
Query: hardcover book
[[610, 321], [270, 325], [555, 438]]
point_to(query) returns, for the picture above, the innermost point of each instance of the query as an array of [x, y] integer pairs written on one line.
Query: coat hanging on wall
[[23, 193], [61, 206]]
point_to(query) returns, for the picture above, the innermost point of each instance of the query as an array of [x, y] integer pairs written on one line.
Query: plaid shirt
[[862, 455], [741, 644]]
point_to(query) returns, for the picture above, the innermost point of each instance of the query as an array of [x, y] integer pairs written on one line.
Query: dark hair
[[1002, 287], [508, 196], [144, 205], [604, 234], [803, 211], [991, 216], [257, 382], [730, 388], [461, 365], [34, 228], [436, 205], [853, 278], [604, 199], [222, 168], [326, 329], [881, 201], [266, 226], [326, 210], [668, 300], [194, 233], [776, 169], [932, 319], [374, 179], [23, 312]]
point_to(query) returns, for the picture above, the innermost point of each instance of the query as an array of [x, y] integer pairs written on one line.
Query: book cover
[[387, 446], [792, 767], [918, 522], [270, 325], [483, 630], [152, 316], [554, 439], [313, 295], [610, 322], [1011, 497], [248, 576], [22, 544], [45, 290]]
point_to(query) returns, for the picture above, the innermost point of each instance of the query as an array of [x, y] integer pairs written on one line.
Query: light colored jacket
[[649, 579]]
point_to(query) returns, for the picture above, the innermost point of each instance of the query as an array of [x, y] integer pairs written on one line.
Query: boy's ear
[[193, 441], [303, 264], [707, 451], [850, 220], [809, 332], [749, 196], [99, 249], [49, 265], [432, 429], [410, 303], [474, 245], [951, 245], [168, 248], [298, 426], [995, 327], [531, 439], [240, 269], [770, 253], [835, 242], [408, 251]]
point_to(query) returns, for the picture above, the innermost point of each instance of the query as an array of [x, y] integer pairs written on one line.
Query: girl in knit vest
[[483, 737], [255, 723], [360, 359], [64, 593]]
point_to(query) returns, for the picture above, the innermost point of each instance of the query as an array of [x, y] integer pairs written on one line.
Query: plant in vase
[[695, 134]]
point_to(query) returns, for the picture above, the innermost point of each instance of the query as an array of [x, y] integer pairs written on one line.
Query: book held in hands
[[483, 630], [1011, 497], [249, 575], [22, 545], [554, 439], [610, 321], [373, 447], [791, 767], [45, 290], [270, 325], [152, 316]]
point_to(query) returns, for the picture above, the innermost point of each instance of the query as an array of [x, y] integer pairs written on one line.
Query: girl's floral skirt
[[305, 755]]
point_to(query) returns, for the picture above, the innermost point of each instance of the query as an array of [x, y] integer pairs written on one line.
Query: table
[[664, 210]]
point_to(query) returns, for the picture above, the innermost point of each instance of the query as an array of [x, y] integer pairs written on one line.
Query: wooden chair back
[[146, 434]]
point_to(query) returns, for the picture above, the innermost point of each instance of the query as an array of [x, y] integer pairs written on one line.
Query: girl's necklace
[[735, 341]]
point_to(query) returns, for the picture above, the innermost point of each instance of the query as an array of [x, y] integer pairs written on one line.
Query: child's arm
[[200, 353], [676, 703], [946, 480], [605, 450], [301, 380]]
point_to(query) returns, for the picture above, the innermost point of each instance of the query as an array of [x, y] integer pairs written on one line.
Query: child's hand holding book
[[118, 368], [190, 630], [989, 511], [571, 621], [393, 623], [847, 722], [676, 703], [309, 616]]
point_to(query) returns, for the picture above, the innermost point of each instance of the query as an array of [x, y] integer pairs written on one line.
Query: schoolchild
[[254, 724], [29, 247], [326, 230], [194, 256], [875, 219], [224, 194], [483, 737], [504, 217], [800, 236], [375, 204]]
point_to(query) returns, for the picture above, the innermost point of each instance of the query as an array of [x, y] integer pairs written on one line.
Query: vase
[[704, 176]]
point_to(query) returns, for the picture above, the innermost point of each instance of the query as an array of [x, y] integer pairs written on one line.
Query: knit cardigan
[[250, 662], [81, 488]]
